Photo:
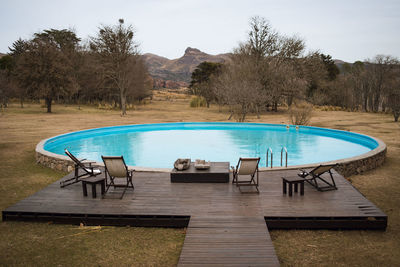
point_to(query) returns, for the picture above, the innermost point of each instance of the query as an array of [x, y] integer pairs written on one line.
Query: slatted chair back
[[314, 177], [115, 166], [321, 169], [84, 165], [248, 166], [74, 159]]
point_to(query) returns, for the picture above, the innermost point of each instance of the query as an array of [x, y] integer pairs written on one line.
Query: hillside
[[177, 72], [2, 55]]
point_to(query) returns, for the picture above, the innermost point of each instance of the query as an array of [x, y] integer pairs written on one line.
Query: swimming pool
[[159, 145]]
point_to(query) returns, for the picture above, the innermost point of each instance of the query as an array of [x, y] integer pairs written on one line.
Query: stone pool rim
[[347, 166]]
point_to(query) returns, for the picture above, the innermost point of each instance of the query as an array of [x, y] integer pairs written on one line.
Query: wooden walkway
[[225, 228], [227, 241]]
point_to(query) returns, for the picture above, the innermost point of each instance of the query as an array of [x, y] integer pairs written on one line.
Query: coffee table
[[217, 173]]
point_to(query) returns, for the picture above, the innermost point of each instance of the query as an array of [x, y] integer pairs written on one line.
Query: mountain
[[2, 55], [177, 72], [340, 63]]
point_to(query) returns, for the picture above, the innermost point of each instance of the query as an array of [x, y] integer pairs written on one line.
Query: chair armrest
[[88, 161]]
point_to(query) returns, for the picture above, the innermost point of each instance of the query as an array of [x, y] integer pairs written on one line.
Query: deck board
[[227, 240], [219, 214]]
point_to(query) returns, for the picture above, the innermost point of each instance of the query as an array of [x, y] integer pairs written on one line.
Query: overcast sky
[[345, 29]]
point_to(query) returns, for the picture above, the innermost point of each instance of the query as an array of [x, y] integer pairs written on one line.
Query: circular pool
[[159, 145]]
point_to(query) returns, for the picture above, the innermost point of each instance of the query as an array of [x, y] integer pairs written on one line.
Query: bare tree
[[379, 72], [238, 87], [116, 51], [393, 93], [140, 81], [262, 71], [366, 85]]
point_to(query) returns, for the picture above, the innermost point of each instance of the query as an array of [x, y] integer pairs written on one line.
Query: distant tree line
[[54, 65], [269, 70]]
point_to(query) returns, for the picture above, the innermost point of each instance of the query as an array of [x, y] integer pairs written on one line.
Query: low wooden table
[[217, 173], [94, 181], [293, 182]]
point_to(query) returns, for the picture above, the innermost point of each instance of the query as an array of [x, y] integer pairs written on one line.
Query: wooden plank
[[228, 241]]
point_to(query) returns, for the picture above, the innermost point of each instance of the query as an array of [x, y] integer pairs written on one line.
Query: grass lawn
[[67, 245]]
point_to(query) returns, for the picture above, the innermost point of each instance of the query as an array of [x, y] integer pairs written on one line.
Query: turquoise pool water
[[159, 145]]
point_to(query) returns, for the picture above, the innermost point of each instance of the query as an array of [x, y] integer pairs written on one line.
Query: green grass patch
[[41, 244]]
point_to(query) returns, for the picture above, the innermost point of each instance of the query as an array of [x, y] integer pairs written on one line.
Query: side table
[[94, 181], [293, 182]]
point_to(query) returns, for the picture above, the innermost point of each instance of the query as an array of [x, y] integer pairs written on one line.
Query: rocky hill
[[177, 72]]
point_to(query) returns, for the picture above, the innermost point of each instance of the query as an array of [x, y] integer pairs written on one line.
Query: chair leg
[[252, 182], [72, 180], [123, 193], [103, 188], [329, 185], [129, 181], [109, 185], [234, 176]]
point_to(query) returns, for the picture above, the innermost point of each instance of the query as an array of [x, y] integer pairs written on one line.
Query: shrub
[[300, 114], [197, 101]]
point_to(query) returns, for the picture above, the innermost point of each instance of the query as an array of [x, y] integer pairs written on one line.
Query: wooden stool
[[94, 181], [293, 182]]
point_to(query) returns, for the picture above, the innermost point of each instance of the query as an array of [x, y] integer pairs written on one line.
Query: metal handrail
[[286, 153], [269, 150]]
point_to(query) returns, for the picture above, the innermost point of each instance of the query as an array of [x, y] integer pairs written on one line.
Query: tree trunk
[[22, 101], [396, 115], [243, 117], [365, 104], [275, 106], [48, 104], [244, 112], [289, 100], [123, 103], [376, 102]]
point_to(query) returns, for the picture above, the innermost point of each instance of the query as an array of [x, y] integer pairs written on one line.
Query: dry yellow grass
[[65, 245]]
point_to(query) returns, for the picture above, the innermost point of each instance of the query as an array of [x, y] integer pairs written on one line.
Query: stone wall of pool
[[346, 167]]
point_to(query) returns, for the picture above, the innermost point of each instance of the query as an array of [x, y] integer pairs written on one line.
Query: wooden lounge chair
[[246, 167], [83, 169], [116, 168], [314, 177]]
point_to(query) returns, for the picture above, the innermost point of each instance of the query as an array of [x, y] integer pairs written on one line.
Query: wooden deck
[[225, 228], [227, 241]]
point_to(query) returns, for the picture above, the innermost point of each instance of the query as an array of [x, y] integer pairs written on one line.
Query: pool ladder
[[286, 155], [269, 152]]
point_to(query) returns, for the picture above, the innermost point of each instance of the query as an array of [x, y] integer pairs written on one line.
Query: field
[[66, 245]]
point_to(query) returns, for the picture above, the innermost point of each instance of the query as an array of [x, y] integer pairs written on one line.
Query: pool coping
[[347, 166]]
